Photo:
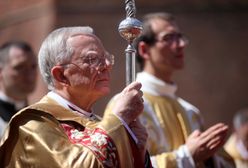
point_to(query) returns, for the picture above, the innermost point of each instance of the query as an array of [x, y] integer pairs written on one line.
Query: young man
[[175, 134]]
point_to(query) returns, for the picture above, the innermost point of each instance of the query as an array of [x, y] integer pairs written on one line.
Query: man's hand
[[129, 103], [203, 145], [140, 132]]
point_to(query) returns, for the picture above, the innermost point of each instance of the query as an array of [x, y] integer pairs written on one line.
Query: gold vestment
[[231, 148], [35, 138], [171, 117], [169, 120]]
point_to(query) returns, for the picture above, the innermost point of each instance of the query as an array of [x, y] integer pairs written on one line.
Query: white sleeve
[[154, 162], [184, 158], [128, 129], [3, 126]]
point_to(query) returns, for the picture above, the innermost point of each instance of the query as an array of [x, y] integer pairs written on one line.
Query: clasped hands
[[203, 145]]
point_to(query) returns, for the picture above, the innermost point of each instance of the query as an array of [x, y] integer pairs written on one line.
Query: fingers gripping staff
[[130, 97]]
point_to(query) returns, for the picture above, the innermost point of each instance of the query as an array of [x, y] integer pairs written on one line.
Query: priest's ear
[[58, 75], [143, 50]]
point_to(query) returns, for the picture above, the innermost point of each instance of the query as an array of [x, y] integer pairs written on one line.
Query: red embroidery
[[97, 141]]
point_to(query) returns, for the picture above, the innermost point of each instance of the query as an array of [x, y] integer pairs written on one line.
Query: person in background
[[175, 129], [61, 130], [18, 73], [237, 144]]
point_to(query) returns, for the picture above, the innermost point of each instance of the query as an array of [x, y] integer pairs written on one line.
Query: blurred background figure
[[175, 128], [18, 72], [237, 145], [175, 134]]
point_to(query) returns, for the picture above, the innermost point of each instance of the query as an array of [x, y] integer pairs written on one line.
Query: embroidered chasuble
[[47, 135]]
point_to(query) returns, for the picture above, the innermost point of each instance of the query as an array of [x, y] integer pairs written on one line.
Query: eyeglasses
[[173, 37], [95, 60]]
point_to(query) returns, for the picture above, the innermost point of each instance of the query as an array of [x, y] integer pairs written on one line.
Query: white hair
[[55, 50]]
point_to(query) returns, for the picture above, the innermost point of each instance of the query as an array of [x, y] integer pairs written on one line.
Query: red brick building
[[215, 78]]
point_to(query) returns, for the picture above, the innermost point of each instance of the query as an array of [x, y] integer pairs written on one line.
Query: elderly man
[[237, 144], [18, 73], [61, 130]]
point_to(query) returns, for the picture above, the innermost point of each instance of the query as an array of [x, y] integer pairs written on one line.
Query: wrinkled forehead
[[160, 25], [85, 42]]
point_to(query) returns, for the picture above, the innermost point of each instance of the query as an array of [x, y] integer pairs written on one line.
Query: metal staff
[[129, 29]]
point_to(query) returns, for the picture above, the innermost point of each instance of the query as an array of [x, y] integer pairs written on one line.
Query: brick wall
[[215, 77]]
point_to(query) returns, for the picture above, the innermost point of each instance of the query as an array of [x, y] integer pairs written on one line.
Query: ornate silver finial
[[130, 28], [130, 8]]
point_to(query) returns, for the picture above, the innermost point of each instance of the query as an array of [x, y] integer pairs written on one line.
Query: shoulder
[[188, 106]]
